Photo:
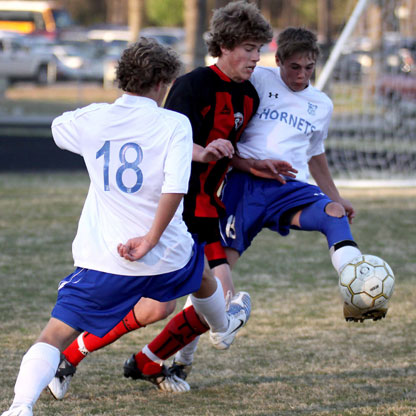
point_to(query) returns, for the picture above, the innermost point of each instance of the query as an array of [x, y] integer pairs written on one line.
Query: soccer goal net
[[371, 77]]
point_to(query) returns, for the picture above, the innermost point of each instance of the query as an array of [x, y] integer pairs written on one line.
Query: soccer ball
[[366, 284]]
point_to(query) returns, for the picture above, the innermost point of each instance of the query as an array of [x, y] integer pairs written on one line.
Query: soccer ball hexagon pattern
[[366, 282]]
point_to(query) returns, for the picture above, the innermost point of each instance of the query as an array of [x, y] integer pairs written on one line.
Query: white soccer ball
[[366, 283]]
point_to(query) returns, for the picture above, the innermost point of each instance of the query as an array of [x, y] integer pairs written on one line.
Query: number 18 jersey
[[134, 151]]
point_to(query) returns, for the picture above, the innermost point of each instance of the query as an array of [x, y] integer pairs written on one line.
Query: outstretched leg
[[330, 219]]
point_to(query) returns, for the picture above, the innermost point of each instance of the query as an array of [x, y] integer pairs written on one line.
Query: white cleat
[[19, 411], [174, 384], [238, 313], [59, 385]]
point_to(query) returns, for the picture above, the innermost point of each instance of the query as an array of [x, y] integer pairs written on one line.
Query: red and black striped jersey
[[217, 108]]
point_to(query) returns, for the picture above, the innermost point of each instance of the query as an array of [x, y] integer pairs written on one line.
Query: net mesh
[[373, 87]]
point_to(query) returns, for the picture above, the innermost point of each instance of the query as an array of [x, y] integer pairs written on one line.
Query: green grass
[[297, 356]]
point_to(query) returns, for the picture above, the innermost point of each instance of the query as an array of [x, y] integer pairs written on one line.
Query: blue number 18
[[105, 151]]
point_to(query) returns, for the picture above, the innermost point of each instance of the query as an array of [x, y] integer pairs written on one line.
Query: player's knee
[[163, 310], [148, 311], [335, 209], [167, 309], [329, 218]]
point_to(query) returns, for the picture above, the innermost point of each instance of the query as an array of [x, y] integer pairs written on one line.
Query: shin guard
[[180, 331]]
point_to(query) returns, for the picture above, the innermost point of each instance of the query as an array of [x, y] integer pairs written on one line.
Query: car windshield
[[62, 18]]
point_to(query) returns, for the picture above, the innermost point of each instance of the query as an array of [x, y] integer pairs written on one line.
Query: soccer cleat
[[238, 313], [352, 314], [59, 385], [19, 411], [164, 380], [180, 370]]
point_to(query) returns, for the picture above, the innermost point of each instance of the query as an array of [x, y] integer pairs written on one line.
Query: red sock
[[75, 353], [182, 329]]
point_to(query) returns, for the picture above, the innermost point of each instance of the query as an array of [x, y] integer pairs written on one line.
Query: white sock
[[37, 369], [343, 255], [213, 309], [186, 354]]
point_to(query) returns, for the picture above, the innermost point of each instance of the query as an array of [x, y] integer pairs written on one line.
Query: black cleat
[[165, 380], [352, 314], [180, 370], [59, 385]]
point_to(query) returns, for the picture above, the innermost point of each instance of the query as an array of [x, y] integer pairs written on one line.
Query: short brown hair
[[294, 40], [236, 23], [145, 64]]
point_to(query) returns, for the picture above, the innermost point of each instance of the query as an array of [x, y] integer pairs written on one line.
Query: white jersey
[[288, 125], [134, 151]]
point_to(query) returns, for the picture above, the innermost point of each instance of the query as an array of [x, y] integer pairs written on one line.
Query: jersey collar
[[220, 73], [135, 100]]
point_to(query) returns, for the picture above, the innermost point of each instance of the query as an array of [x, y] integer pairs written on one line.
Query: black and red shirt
[[217, 108]]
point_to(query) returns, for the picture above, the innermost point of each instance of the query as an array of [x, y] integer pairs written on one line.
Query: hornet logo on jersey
[[312, 109], [238, 120]]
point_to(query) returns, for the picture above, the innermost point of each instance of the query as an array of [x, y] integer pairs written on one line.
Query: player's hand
[[135, 248], [216, 150], [273, 169], [349, 209]]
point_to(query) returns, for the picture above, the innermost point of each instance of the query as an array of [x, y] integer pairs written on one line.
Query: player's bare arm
[[267, 168], [318, 166], [135, 248], [214, 151]]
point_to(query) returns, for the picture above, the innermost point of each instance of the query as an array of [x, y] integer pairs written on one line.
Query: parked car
[[19, 61], [351, 66], [398, 82], [170, 36], [396, 88], [79, 61]]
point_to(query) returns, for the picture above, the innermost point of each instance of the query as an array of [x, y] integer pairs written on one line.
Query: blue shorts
[[93, 301], [254, 203]]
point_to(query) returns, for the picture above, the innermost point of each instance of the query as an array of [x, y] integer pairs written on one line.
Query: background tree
[[165, 12], [87, 12], [195, 15], [136, 17]]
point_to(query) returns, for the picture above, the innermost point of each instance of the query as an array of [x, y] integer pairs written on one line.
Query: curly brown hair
[[294, 40], [236, 23], [145, 64]]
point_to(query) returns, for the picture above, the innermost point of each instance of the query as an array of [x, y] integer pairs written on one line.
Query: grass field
[[296, 356]]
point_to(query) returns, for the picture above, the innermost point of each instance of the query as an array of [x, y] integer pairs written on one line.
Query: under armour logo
[[275, 95]]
